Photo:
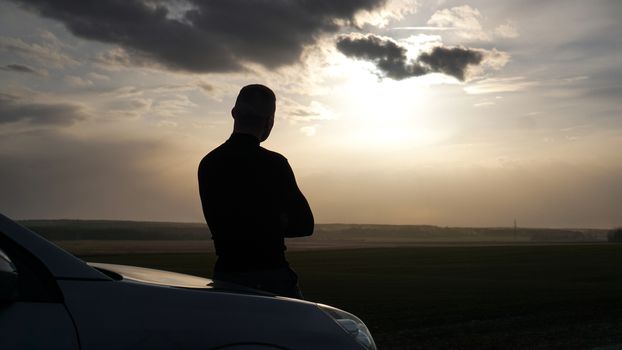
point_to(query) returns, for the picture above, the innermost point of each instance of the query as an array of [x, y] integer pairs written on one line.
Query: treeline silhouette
[[60, 230]]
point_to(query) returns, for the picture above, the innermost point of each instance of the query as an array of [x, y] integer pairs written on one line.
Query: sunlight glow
[[392, 137], [383, 113]]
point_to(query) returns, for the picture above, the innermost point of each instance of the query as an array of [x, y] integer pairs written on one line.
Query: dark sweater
[[251, 202]]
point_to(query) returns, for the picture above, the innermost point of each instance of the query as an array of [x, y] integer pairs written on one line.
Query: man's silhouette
[[251, 201]]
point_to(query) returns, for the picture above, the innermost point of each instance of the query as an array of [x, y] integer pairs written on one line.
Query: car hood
[[152, 276], [170, 279]]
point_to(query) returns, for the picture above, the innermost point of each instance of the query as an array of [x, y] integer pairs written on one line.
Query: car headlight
[[352, 325]]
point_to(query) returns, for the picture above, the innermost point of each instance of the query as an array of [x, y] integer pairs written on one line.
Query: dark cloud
[[392, 60], [206, 87], [451, 61], [13, 110], [19, 69], [385, 53], [205, 36]]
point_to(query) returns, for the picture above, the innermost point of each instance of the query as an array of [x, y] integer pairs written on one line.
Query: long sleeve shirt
[[251, 202]]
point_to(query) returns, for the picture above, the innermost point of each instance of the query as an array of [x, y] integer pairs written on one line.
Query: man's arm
[[297, 218]]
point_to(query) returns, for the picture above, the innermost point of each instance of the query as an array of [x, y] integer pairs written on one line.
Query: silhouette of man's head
[[254, 111]]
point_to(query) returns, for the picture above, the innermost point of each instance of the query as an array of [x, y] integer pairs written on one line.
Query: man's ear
[[234, 112]]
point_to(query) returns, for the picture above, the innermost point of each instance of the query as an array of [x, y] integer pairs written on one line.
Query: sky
[[440, 112]]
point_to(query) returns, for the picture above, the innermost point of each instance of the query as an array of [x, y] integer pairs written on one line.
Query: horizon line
[[338, 223]]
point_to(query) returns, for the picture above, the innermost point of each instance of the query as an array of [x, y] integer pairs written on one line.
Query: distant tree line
[[67, 230], [61, 230], [615, 235]]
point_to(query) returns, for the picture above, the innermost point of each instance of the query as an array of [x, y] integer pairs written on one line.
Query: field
[[566, 296], [416, 287]]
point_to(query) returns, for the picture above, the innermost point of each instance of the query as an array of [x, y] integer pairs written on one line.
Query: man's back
[[251, 202]]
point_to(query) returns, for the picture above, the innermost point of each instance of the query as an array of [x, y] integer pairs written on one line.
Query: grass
[[513, 297]]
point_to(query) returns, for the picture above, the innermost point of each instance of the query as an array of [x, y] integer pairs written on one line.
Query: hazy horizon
[[440, 112], [509, 226]]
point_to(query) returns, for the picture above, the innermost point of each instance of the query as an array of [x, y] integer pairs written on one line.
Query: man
[[251, 201]]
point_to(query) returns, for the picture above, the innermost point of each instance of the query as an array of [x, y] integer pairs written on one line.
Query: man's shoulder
[[272, 156], [212, 156], [223, 153]]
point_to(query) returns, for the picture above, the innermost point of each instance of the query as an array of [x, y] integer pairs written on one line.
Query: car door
[[32, 312]]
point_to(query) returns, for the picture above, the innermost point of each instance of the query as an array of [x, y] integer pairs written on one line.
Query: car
[[50, 299]]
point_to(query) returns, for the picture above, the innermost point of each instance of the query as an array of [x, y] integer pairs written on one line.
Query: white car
[[50, 299]]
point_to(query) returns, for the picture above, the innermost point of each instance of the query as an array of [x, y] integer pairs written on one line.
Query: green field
[[510, 297]]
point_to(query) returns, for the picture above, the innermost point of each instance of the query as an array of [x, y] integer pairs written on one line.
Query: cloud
[[14, 110], [204, 36], [506, 30], [97, 76], [50, 55], [464, 19], [173, 106], [17, 68], [465, 22], [133, 107], [389, 56], [392, 59], [394, 10], [451, 61], [206, 87], [499, 85], [77, 81], [296, 112], [215, 90], [162, 89], [20, 68]]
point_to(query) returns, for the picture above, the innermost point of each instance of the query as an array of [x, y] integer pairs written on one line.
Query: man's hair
[[254, 103]]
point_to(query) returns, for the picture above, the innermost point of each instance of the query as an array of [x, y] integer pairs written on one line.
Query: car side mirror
[[8, 279]]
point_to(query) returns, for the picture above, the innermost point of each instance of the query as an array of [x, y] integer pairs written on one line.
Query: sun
[[383, 113]]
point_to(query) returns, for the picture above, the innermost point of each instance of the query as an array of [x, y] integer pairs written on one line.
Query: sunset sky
[[457, 113]]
